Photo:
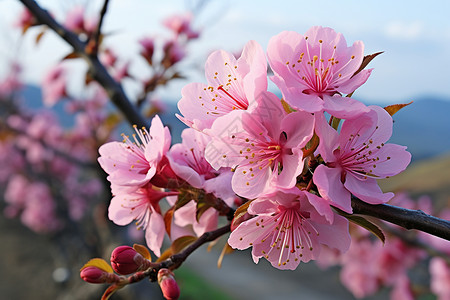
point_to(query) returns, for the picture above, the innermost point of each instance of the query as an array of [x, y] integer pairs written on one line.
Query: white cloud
[[405, 30]]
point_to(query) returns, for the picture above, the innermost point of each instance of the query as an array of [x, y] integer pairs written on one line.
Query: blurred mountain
[[424, 177], [421, 126]]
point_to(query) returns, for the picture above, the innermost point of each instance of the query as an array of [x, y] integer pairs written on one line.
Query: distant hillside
[[426, 177], [422, 126]]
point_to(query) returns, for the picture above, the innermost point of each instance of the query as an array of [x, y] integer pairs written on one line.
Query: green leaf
[[98, 263], [392, 109], [184, 198], [287, 108], [202, 207], [335, 123], [181, 243], [358, 220], [239, 213]]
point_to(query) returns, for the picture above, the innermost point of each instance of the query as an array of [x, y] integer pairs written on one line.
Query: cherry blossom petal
[[298, 127], [367, 190], [344, 107], [154, 233], [328, 138], [250, 184], [329, 184], [118, 214]]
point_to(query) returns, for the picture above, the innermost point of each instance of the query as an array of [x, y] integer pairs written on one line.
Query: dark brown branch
[[94, 41], [98, 71], [176, 260], [406, 218]]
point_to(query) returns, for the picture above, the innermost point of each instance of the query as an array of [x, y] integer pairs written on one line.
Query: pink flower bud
[[148, 47], [95, 275], [168, 284], [125, 260], [173, 53]]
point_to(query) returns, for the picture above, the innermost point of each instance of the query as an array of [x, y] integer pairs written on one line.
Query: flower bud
[[125, 260], [168, 284], [93, 274]]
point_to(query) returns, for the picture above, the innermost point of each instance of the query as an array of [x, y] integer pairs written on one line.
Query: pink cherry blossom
[[402, 289], [394, 260], [16, 194], [313, 70], [121, 72], [264, 146], [74, 20], [356, 158], [359, 267], [287, 229], [148, 48], [233, 84], [440, 278], [39, 213], [181, 24], [54, 85], [186, 217], [108, 57], [140, 205], [12, 82], [25, 20], [188, 162], [77, 21], [173, 53], [135, 162]]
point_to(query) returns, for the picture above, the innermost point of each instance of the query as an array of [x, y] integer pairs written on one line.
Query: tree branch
[[406, 218], [95, 39], [176, 260], [98, 71]]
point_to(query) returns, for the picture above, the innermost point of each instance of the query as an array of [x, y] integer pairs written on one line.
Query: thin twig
[[95, 39], [97, 69], [175, 261]]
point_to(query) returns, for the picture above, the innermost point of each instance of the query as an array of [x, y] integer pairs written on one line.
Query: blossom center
[[319, 69], [291, 234], [359, 155]]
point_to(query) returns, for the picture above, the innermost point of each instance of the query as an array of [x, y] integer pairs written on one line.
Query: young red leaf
[[142, 250], [98, 263], [110, 290], [181, 243], [168, 216], [366, 60], [392, 109]]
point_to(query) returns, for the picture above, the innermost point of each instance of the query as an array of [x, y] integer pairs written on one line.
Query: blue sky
[[414, 35]]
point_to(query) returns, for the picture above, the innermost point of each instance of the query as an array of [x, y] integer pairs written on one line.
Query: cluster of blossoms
[[47, 174], [290, 160]]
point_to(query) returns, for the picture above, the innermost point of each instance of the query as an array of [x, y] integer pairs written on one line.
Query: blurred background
[[415, 38]]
